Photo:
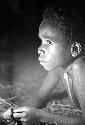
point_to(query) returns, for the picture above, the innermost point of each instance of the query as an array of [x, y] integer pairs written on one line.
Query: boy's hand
[[26, 114], [7, 116]]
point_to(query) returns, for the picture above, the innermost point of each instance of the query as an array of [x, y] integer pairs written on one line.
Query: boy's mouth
[[41, 61]]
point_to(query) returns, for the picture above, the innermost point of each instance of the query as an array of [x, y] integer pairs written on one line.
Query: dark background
[[22, 18], [20, 71]]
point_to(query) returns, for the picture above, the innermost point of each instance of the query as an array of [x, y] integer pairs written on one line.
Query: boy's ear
[[75, 49]]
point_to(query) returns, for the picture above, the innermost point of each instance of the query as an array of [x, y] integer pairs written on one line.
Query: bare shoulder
[[79, 64], [78, 69]]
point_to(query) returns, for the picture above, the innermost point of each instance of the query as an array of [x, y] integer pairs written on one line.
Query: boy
[[63, 57]]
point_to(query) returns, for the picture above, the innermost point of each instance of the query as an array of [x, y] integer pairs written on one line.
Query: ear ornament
[[75, 49]]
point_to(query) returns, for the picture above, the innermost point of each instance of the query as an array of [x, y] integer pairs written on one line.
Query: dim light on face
[[51, 49]]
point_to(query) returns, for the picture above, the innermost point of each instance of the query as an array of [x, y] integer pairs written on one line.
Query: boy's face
[[52, 50]]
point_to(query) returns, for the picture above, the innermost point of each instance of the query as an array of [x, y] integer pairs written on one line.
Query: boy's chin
[[47, 68]]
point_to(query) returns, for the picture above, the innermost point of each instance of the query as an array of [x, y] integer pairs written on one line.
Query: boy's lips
[[42, 61]]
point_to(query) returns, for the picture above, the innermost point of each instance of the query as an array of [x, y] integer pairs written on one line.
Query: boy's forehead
[[48, 33]]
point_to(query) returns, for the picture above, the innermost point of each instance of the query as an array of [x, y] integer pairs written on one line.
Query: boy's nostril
[[40, 51]]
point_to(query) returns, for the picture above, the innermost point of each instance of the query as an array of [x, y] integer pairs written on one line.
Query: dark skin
[[57, 58]]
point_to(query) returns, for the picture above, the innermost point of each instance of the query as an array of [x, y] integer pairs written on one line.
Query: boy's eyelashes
[[49, 42]]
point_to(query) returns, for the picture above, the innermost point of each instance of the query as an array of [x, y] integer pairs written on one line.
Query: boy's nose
[[41, 51]]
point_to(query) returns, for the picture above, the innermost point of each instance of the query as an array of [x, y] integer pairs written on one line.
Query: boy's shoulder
[[79, 63]]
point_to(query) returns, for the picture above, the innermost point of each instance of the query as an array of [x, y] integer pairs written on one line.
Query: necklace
[[66, 77]]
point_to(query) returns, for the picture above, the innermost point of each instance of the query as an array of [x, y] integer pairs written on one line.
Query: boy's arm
[[59, 119], [79, 77], [41, 97]]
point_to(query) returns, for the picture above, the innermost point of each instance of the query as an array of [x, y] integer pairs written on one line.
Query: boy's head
[[56, 32]]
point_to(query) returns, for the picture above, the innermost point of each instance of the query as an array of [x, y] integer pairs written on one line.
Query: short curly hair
[[65, 22]]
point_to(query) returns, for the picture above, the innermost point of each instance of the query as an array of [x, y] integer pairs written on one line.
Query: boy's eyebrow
[[45, 36]]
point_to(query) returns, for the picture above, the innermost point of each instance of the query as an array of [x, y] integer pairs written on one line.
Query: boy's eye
[[49, 42]]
